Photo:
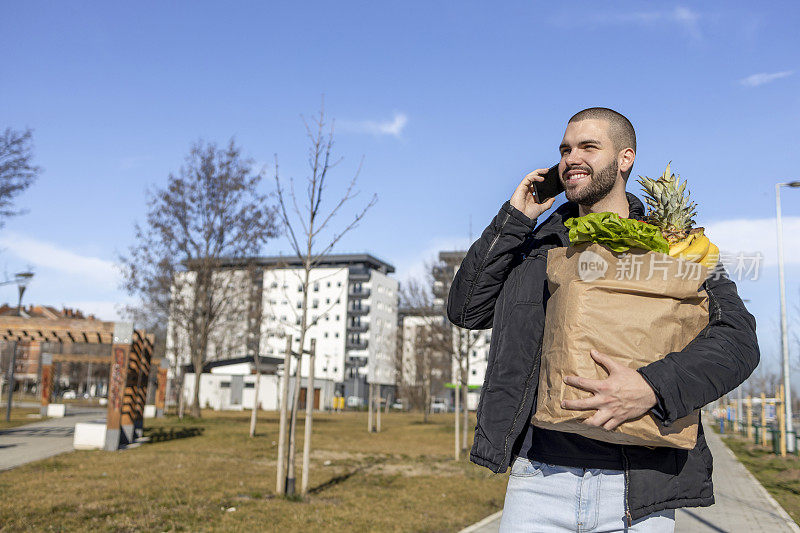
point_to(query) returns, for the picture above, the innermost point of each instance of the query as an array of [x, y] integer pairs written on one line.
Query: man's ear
[[625, 160]]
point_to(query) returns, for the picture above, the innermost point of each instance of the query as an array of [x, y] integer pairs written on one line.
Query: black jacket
[[502, 285]]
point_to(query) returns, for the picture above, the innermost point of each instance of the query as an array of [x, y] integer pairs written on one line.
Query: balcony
[[358, 293], [359, 274], [356, 345], [358, 311], [357, 328]]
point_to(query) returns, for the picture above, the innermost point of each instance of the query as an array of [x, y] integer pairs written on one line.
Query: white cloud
[[392, 127], [749, 236], [682, 16], [45, 255], [762, 78]]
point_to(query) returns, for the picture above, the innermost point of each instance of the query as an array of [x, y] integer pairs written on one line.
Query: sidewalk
[[742, 503], [40, 440]]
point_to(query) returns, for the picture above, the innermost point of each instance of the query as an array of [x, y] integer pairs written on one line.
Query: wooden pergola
[[130, 356]]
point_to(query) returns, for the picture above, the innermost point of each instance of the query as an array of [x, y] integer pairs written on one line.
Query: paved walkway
[[32, 442], [743, 505]]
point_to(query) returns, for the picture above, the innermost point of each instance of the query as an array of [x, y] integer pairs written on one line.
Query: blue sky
[[449, 104]]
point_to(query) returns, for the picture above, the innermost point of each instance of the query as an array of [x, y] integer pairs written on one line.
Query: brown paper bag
[[635, 307]]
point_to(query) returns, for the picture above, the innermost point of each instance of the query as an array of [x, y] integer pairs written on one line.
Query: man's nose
[[573, 158]]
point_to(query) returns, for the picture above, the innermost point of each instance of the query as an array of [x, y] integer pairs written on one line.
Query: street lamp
[[790, 442], [21, 279]]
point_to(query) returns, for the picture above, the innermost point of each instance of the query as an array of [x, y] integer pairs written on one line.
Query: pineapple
[[670, 210], [673, 213]]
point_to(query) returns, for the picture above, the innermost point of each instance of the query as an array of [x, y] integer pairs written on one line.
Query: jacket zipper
[[522, 403], [626, 464], [483, 265]]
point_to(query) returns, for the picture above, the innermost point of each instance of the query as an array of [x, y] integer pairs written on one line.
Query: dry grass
[[779, 475], [19, 416], [195, 471]]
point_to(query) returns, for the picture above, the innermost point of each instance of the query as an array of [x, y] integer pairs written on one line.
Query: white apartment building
[[352, 312], [478, 341]]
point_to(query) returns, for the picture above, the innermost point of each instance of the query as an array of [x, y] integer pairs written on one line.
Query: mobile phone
[[550, 187]]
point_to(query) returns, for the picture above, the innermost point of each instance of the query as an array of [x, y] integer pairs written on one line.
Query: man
[[562, 481]]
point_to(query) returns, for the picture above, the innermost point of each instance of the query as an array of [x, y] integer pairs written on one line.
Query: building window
[[250, 385], [274, 285], [338, 283], [329, 284], [337, 318], [300, 288], [315, 304], [336, 334], [474, 372], [224, 384], [316, 287], [325, 334], [299, 304], [327, 300], [337, 300]]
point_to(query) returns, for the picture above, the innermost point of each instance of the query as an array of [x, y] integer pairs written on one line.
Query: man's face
[[588, 166]]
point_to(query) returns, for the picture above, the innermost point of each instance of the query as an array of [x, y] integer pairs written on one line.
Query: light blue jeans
[[542, 498]]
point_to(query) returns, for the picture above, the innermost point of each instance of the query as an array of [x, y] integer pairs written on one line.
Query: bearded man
[[563, 481]]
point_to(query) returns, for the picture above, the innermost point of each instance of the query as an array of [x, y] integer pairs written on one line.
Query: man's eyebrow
[[585, 141]]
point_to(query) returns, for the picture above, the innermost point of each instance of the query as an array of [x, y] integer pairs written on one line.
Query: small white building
[[230, 385]]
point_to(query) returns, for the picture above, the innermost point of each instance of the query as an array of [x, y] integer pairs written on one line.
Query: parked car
[[399, 405], [69, 395], [438, 406]]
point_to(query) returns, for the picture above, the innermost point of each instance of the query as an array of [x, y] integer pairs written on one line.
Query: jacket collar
[[554, 225]]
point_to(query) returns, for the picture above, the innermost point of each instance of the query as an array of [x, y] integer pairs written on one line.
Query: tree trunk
[[253, 415], [198, 372], [309, 419], [370, 402], [378, 410], [287, 365], [465, 406], [457, 395]]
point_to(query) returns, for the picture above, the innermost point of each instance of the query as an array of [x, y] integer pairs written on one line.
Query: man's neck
[[615, 202]]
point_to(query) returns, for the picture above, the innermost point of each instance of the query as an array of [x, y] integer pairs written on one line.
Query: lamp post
[[784, 335], [21, 279]]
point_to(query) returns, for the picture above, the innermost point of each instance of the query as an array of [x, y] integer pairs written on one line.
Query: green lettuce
[[618, 234]]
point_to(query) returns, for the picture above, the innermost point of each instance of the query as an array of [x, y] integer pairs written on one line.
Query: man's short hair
[[621, 130]]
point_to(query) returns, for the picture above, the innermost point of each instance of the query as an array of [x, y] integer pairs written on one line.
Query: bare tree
[[311, 237], [428, 342], [185, 260], [17, 171], [464, 341]]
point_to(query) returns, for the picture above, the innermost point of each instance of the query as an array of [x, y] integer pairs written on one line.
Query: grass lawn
[[779, 475], [195, 472], [19, 417]]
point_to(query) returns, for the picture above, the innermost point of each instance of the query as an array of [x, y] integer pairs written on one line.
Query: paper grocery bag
[[635, 307]]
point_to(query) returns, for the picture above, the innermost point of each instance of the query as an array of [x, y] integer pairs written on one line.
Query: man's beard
[[600, 184]]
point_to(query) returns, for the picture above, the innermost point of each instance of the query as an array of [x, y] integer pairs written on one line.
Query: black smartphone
[[550, 187]]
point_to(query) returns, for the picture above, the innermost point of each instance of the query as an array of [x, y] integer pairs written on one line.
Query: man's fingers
[[611, 424], [536, 175], [583, 405], [604, 360], [591, 385], [600, 418]]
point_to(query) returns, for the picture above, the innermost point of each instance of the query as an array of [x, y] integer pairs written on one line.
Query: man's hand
[[622, 396], [524, 197]]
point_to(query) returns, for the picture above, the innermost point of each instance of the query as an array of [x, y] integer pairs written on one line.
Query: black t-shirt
[[569, 449]]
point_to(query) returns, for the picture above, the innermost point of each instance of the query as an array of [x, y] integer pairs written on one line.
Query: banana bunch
[[696, 247]]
